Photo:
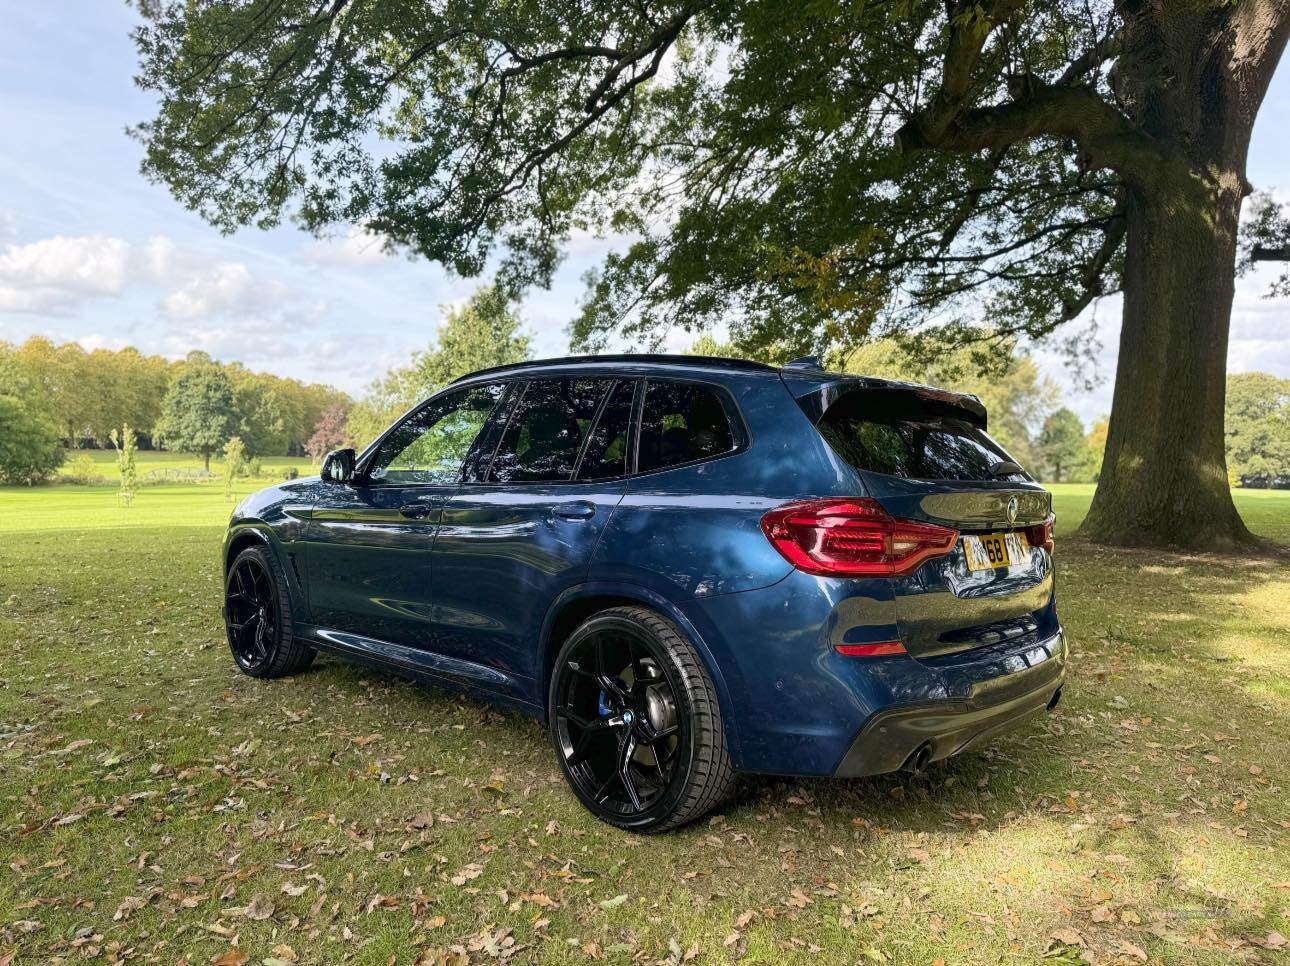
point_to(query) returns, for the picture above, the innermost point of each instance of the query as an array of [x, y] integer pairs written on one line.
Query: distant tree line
[[61, 396], [93, 392]]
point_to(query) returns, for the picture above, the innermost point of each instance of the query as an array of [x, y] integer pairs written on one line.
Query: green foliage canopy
[[197, 415], [1258, 429], [786, 188], [29, 446], [484, 332], [1062, 447]]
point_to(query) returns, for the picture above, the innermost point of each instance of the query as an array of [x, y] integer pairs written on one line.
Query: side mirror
[[338, 467]]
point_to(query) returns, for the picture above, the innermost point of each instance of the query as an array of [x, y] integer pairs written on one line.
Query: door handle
[[577, 510], [422, 507]]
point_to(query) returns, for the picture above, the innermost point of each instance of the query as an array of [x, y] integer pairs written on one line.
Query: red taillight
[[885, 649], [1041, 534], [853, 538]]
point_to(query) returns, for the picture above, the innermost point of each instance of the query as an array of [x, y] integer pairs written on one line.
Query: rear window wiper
[[1005, 468]]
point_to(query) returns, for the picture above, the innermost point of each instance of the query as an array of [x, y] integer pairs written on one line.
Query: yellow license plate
[[993, 550]]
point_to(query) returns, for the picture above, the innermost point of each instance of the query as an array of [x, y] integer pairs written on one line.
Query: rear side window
[[682, 422], [607, 449], [546, 432], [901, 435]]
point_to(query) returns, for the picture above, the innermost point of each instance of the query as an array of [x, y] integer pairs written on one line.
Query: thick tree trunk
[[1164, 473]]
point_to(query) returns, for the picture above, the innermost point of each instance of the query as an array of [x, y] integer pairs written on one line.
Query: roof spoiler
[[815, 394]]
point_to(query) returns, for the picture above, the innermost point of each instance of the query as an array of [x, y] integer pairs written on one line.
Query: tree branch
[[1106, 137], [970, 26]]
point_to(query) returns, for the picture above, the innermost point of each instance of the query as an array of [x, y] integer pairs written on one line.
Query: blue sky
[[90, 251]]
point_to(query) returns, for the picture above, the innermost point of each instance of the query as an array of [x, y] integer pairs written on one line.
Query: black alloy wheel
[[635, 722], [257, 618]]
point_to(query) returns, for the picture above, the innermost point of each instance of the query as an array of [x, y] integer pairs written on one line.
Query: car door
[[524, 528], [369, 541]]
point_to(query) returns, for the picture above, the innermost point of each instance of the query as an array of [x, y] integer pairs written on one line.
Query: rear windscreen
[[902, 435]]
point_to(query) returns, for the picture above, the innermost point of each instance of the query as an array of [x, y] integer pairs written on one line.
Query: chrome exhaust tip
[[917, 762]]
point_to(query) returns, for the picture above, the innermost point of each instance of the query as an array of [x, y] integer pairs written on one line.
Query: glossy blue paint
[[504, 552], [467, 584]]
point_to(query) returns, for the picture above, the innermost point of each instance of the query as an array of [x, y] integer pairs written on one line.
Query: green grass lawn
[[155, 805], [155, 465]]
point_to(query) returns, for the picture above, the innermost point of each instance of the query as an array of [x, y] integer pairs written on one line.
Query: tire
[[257, 617], [599, 722]]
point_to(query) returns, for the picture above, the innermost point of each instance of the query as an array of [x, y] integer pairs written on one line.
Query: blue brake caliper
[[602, 705]]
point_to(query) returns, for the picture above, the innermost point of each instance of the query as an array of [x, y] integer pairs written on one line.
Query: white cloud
[[358, 247], [249, 339], [97, 340], [229, 289], [54, 275]]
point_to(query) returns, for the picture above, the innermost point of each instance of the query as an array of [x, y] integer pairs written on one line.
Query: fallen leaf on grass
[[234, 957], [613, 903], [1067, 936], [128, 906], [1129, 949], [379, 901], [798, 899], [472, 871], [259, 908]]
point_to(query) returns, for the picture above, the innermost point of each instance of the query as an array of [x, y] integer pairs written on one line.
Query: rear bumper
[[914, 735], [794, 705]]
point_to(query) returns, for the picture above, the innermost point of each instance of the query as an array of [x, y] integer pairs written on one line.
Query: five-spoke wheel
[[257, 617], [250, 613], [635, 722]]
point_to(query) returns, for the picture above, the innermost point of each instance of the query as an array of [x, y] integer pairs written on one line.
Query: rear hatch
[[925, 455]]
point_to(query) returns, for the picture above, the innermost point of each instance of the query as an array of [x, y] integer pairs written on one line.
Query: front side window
[[431, 445], [682, 422], [546, 432]]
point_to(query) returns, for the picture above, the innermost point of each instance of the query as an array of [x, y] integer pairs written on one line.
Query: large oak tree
[[810, 173]]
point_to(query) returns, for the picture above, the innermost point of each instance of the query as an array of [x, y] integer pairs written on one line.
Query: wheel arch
[[246, 535], [578, 603], [256, 533]]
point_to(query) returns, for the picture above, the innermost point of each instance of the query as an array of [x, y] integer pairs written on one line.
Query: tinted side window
[[547, 429], [606, 455], [681, 422], [431, 444]]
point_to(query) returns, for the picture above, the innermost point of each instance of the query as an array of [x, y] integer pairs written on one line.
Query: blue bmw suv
[[685, 567]]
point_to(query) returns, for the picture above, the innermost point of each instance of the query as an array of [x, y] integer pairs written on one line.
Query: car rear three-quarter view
[[685, 567]]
